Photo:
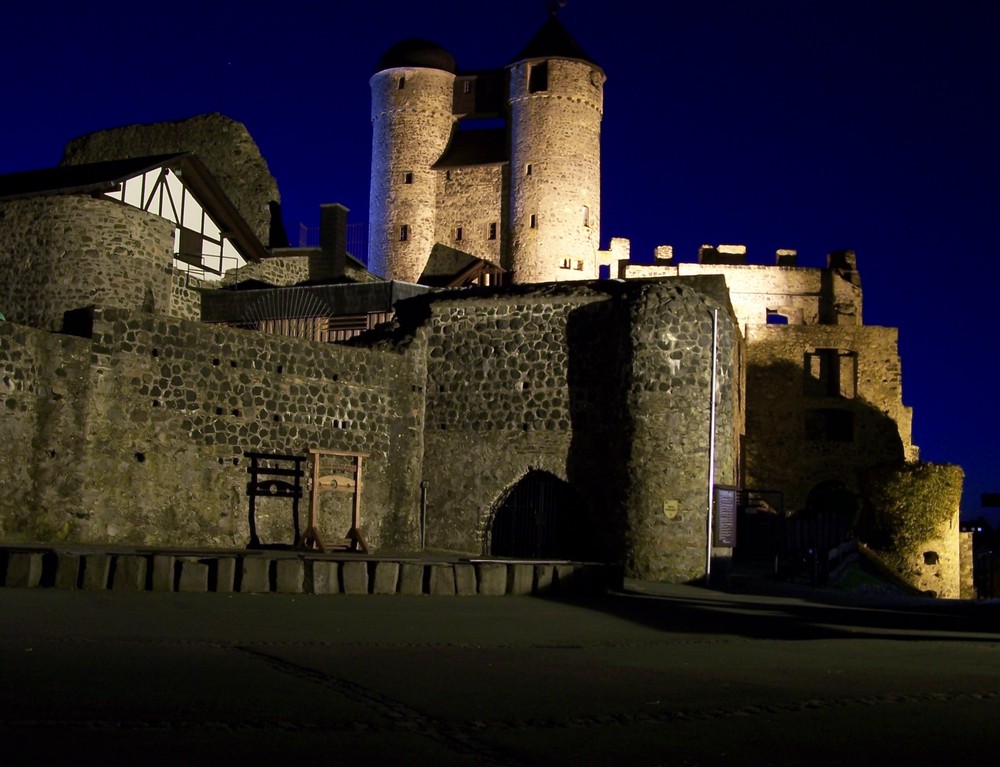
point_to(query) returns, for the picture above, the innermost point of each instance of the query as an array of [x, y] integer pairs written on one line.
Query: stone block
[[67, 570], [355, 576], [411, 578], [566, 577], [442, 580], [290, 576], [465, 579], [492, 578], [130, 573], [520, 579], [193, 575], [225, 575], [324, 577], [544, 579], [24, 569], [256, 575], [96, 568], [386, 577], [163, 572]]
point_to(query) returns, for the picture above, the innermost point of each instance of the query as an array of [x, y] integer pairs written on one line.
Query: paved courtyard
[[663, 675]]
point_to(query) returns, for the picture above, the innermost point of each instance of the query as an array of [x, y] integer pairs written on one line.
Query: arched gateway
[[541, 517]]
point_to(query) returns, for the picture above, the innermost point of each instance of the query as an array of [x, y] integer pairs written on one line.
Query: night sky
[[807, 124]]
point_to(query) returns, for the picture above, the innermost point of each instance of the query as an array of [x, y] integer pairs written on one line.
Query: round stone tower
[[555, 96], [412, 96]]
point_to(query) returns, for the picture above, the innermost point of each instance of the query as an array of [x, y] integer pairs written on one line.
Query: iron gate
[[541, 518]]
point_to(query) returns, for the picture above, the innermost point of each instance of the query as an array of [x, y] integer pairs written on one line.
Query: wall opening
[[538, 77], [541, 517]]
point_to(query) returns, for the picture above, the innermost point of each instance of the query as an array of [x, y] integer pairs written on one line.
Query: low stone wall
[[292, 573]]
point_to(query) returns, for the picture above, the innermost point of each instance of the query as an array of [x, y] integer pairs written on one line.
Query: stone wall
[[137, 435], [66, 252], [604, 386], [222, 144], [556, 131], [787, 447], [472, 198]]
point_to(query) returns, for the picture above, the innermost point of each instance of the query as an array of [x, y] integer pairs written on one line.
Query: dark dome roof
[[417, 53]]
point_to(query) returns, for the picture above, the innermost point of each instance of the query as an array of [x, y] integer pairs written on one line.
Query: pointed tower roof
[[553, 41]]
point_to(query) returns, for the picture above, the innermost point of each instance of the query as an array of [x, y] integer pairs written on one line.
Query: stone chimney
[[332, 261]]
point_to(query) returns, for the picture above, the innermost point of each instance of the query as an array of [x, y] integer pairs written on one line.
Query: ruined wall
[[801, 432], [800, 294], [222, 144], [137, 436], [280, 272], [604, 386], [66, 252], [471, 198]]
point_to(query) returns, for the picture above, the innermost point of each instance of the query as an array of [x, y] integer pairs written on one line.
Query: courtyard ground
[[659, 675]]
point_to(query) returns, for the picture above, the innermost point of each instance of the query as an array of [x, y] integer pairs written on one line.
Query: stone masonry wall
[[670, 405], [604, 386], [779, 395], [222, 144], [471, 198], [67, 252], [137, 436]]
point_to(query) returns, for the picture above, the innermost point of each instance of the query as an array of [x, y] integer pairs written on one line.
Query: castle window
[[491, 232], [775, 318], [579, 266], [401, 83], [831, 373], [533, 221], [828, 425], [527, 169], [447, 175], [586, 215], [467, 86], [458, 234], [404, 233], [538, 77], [408, 177], [567, 263]]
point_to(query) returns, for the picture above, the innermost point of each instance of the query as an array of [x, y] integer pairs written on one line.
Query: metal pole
[[711, 442], [423, 512]]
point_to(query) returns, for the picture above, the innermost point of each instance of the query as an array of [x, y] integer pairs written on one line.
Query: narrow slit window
[[408, 177], [533, 221], [491, 232], [404, 233], [401, 82], [527, 169], [458, 233], [586, 215]]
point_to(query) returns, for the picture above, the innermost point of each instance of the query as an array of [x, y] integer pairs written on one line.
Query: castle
[[535, 411]]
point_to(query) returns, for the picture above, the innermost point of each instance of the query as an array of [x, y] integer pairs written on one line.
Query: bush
[[909, 504]]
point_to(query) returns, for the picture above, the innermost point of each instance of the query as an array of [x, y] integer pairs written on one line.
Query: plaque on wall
[[724, 518]]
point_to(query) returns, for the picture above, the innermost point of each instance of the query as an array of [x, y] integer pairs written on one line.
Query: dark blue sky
[[814, 125]]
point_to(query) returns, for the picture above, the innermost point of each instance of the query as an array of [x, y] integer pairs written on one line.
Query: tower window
[[408, 177], [527, 169], [586, 215], [467, 86], [491, 231], [401, 82], [533, 221], [404, 233], [458, 234], [447, 175], [538, 77]]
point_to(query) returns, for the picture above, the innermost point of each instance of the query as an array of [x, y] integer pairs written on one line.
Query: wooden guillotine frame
[[335, 471]]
